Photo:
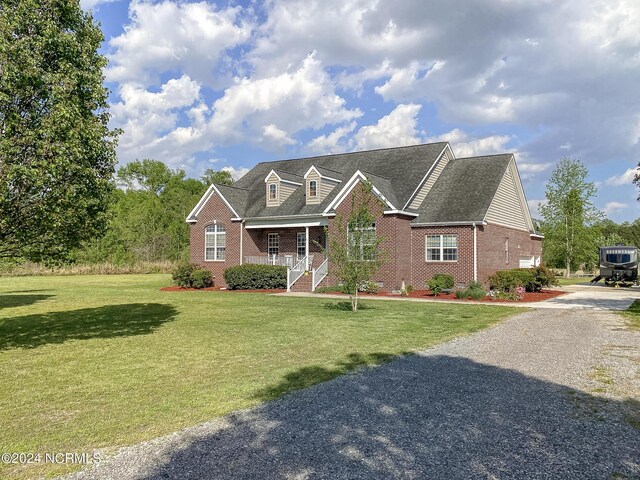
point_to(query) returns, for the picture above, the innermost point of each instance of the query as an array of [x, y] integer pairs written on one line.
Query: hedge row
[[532, 279], [255, 277]]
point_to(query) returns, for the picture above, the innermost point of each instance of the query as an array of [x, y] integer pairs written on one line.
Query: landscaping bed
[[428, 294], [175, 288]]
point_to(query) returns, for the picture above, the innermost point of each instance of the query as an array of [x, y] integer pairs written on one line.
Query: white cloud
[[147, 117], [396, 129], [275, 137], [612, 207], [532, 168], [534, 207], [288, 102], [465, 146], [236, 173], [624, 179], [170, 36], [333, 142]]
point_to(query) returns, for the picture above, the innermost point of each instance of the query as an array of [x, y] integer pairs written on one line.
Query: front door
[[301, 245]]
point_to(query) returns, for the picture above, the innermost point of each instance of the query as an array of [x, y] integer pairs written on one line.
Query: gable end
[[509, 206]]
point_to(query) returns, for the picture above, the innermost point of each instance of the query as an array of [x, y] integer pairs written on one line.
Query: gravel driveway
[[515, 401]]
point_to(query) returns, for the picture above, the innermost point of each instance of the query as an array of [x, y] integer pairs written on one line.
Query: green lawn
[[573, 280], [102, 361], [633, 315]]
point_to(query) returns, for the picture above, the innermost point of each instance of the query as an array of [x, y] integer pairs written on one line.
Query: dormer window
[[313, 188], [273, 191]]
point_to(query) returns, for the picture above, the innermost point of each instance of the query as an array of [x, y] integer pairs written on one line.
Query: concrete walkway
[[582, 296], [514, 401]]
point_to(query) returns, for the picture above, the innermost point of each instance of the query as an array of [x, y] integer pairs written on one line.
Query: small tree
[[354, 248], [569, 213]]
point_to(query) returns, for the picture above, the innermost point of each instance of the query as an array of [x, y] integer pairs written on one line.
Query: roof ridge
[[352, 153], [485, 156]]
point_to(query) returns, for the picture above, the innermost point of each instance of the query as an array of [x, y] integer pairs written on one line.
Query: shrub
[[201, 279], [543, 277], [475, 286], [330, 289], [255, 277], [532, 279], [182, 275], [461, 294], [507, 296], [369, 287], [476, 293], [440, 282], [509, 280]]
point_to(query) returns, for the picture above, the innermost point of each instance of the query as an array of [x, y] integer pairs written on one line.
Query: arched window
[[273, 191], [313, 188], [215, 242]]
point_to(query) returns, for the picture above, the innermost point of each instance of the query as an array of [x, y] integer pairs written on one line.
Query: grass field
[[633, 315], [573, 280], [93, 362]]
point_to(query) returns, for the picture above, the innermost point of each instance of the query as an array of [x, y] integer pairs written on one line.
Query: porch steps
[[303, 284]]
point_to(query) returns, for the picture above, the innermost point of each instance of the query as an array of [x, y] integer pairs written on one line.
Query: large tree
[[221, 177], [569, 214], [57, 154]]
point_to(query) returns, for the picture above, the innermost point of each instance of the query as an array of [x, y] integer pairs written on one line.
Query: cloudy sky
[[229, 84]]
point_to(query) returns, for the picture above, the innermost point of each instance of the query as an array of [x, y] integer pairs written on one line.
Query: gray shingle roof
[[464, 190], [462, 193], [325, 172], [292, 177], [236, 196], [402, 168]]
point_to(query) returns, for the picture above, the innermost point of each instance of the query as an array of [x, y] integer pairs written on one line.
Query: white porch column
[[306, 248]]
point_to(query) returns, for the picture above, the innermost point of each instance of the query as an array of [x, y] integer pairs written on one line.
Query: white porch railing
[[319, 273], [281, 260], [295, 272]]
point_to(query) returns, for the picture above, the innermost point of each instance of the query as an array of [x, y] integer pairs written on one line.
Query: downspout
[[241, 235], [475, 252]]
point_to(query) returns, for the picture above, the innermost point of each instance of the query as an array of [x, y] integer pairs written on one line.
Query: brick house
[[437, 214]]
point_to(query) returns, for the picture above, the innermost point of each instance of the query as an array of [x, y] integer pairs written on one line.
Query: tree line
[[62, 201], [146, 215]]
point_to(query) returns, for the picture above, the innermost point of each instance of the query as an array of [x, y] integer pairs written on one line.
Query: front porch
[[300, 249]]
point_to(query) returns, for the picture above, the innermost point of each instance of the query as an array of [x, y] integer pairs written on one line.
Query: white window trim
[[275, 197], [316, 195], [269, 236], [304, 245], [442, 248], [215, 243], [371, 228]]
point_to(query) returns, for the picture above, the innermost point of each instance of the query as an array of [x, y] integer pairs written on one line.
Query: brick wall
[[491, 249], [404, 246], [462, 269], [395, 231], [216, 210]]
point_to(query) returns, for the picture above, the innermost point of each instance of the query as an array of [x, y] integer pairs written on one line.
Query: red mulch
[[528, 296], [175, 288]]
